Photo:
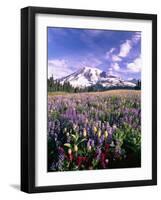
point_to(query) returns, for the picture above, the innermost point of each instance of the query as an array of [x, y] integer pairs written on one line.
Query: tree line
[[56, 86]]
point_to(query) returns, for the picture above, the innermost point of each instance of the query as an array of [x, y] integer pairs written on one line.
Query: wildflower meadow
[[95, 130]]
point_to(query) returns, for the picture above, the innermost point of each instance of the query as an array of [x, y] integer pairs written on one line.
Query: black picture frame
[[28, 98]]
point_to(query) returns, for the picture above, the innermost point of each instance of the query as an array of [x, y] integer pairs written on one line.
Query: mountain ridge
[[91, 76]]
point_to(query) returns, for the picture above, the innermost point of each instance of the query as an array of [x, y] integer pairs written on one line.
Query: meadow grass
[[108, 92]]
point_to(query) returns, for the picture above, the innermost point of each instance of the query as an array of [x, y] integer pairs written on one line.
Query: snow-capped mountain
[[89, 76], [133, 80], [84, 77]]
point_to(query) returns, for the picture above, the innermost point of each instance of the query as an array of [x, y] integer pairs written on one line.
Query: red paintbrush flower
[[107, 146], [81, 160], [71, 157], [104, 162]]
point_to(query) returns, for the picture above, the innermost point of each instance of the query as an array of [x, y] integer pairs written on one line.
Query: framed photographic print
[[88, 99]]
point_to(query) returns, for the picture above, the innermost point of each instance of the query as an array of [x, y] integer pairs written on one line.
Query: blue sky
[[116, 52]]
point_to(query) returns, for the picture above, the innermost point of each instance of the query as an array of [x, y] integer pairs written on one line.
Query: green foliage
[[128, 137], [55, 115], [56, 86]]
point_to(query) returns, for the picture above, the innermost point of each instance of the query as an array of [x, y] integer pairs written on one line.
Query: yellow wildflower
[[75, 148], [106, 134], [99, 133], [94, 129], [84, 132]]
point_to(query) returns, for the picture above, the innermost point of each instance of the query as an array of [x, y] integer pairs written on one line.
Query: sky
[[115, 52]]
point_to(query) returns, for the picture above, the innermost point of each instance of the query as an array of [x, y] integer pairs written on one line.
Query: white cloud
[[112, 50], [58, 68], [128, 44], [64, 67], [114, 70], [135, 66], [125, 48], [115, 58], [130, 78], [90, 61], [109, 53], [110, 71], [116, 66]]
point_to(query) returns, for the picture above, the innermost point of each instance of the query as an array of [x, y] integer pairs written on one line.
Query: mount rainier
[[89, 76]]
